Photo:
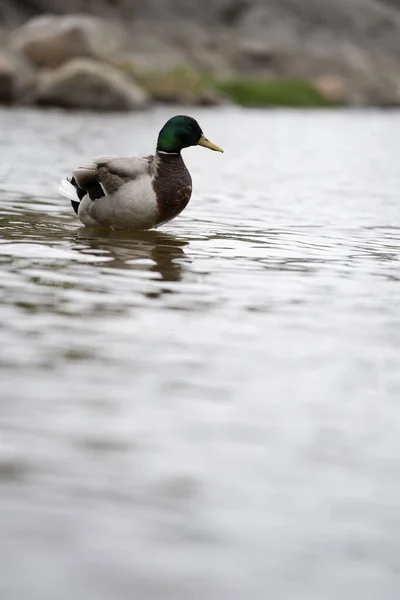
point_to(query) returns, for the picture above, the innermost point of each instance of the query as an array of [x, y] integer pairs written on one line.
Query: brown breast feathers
[[172, 185]]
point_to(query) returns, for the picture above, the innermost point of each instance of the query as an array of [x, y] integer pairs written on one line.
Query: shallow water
[[210, 410]]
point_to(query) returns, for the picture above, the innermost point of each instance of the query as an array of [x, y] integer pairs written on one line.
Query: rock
[[50, 41], [87, 84], [182, 85], [332, 88], [208, 50], [16, 78], [212, 98], [151, 51]]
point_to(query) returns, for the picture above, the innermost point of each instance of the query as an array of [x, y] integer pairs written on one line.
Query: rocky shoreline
[[86, 61]]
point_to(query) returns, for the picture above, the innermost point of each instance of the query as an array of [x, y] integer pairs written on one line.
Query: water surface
[[210, 410]]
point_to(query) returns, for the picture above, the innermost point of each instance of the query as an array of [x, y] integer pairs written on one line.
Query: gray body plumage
[[129, 193]]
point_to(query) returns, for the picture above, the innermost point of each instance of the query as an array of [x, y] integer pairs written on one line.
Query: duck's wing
[[107, 174]]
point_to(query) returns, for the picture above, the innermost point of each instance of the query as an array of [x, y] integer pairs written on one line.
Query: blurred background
[[210, 409], [254, 52]]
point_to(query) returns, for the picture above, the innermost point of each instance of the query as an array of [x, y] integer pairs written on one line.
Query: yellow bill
[[203, 141]]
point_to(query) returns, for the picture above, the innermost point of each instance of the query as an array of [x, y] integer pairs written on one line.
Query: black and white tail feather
[[71, 190]]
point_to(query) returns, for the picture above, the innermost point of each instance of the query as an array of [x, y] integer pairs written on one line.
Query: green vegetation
[[178, 84], [277, 92], [187, 85]]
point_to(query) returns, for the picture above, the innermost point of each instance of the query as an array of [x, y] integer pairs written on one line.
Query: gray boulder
[[49, 41], [87, 84], [16, 78]]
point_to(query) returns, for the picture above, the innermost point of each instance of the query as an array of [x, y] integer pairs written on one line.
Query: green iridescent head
[[181, 132]]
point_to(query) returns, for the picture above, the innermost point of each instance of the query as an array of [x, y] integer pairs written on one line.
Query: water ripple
[[210, 409]]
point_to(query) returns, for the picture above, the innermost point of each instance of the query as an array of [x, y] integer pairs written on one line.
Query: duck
[[137, 193]]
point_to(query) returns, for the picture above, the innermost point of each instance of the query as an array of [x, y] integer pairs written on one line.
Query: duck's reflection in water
[[141, 250]]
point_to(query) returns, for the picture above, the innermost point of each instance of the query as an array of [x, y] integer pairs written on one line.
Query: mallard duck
[[137, 193]]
